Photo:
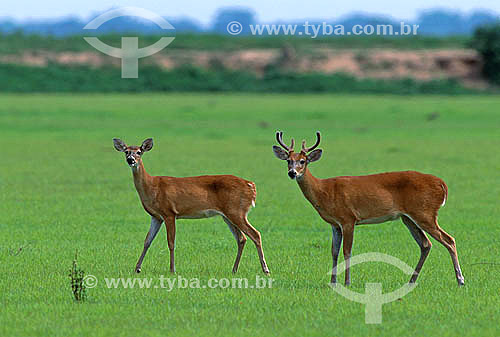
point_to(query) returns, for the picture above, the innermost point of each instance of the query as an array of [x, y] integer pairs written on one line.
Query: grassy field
[[18, 43], [63, 187]]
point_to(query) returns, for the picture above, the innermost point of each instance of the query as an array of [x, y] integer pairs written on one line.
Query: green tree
[[486, 41]]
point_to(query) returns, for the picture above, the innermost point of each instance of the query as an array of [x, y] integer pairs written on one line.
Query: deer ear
[[147, 145], [314, 156], [119, 145], [280, 153]]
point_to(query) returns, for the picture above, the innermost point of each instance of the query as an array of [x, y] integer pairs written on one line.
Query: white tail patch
[[445, 190], [254, 189]]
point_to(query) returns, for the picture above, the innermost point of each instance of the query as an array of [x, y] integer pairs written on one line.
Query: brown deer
[[345, 202], [169, 198]]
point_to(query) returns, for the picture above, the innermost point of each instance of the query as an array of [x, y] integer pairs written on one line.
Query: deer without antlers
[[345, 202], [169, 198]]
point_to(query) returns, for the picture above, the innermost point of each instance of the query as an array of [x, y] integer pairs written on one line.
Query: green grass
[[63, 187], [83, 79], [18, 43]]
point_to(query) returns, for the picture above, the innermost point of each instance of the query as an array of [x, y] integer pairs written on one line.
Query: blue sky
[[266, 10]]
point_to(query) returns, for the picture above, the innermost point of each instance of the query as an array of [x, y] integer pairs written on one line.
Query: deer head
[[133, 154], [297, 162]]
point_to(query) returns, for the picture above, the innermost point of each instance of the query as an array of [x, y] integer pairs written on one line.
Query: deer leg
[[244, 225], [423, 242], [153, 230], [449, 242], [336, 241], [431, 226], [170, 224], [348, 235], [240, 240]]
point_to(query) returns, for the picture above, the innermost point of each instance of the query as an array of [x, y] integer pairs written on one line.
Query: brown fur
[[168, 198], [171, 196], [345, 202], [358, 198]]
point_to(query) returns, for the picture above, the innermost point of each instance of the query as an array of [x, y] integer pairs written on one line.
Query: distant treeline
[[19, 42], [60, 79], [436, 22]]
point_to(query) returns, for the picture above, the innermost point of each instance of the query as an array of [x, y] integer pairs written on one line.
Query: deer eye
[[138, 153], [127, 153], [302, 162]]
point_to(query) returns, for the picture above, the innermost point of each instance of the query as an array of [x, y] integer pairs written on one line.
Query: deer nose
[[130, 160], [292, 174]]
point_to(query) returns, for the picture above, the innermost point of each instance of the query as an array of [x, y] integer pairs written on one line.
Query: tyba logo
[[373, 297], [129, 53]]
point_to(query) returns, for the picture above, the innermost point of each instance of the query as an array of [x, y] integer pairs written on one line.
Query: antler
[[279, 138], [308, 149]]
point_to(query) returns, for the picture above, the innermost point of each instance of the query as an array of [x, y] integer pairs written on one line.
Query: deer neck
[[310, 186], [142, 181]]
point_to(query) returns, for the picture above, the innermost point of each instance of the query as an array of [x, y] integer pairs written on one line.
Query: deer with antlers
[[166, 199], [345, 202]]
